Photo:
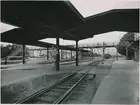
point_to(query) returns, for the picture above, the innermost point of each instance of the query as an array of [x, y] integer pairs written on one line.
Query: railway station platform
[[19, 81], [30, 61], [15, 72], [121, 85]]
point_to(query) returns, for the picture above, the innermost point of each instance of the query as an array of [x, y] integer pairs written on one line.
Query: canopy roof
[[22, 38], [113, 20], [50, 19], [45, 18]]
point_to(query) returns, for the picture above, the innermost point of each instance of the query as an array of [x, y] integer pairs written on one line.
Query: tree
[[107, 56], [125, 42], [7, 50]]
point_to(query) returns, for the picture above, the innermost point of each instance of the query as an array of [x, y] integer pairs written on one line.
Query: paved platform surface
[[19, 72], [120, 86], [33, 61]]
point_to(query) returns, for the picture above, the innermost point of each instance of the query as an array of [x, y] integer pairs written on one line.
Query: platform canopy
[[113, 20], [50, 19], [29, 41]]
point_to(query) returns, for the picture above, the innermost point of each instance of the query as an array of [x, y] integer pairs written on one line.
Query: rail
[[55, 84]]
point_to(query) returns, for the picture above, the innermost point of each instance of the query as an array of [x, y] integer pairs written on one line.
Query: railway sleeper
[[48, 95], [88, 81], [66, 84], [81, 87], [62, 87], [70, 82], [52, 93], [76, 93], [72, 98], [47, 99], [58, 90], [40, 101], [84, 84]]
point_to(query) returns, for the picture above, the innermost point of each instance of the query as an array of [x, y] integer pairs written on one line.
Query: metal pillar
[[116, 54], [23, 54], [47, 53], [57, 55], [61, 54], [76, 53], [103, 51], [92, 53], [126, 53], [71, 54], [34, 53], [40, 52], [82, 54], [66, 54], [6, 58]]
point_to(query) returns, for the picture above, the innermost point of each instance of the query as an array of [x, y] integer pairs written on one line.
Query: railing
[[98, 44]]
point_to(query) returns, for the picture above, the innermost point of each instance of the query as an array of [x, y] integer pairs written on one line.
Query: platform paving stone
[[120, 86]]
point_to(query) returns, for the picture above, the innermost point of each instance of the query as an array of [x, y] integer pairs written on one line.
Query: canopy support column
[[126, 52], [58, 54], [66, 54], [23, 54], [61, 54], [6, 58], [92, 53], [116, 54], [71, 54], [76, 53], [103, 51], [47, 53]]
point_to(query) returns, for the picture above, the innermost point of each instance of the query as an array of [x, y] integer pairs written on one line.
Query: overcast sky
[[92, 7], [88, 8], [106, 37]]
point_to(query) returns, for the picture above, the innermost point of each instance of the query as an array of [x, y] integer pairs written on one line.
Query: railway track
[[59, 91]]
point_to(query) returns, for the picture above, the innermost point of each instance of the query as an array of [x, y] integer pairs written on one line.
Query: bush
[[107, 56], [15, 58]]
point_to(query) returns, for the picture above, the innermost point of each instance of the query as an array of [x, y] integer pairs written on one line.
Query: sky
[[88, 8], [109, 37], [92, 7]]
